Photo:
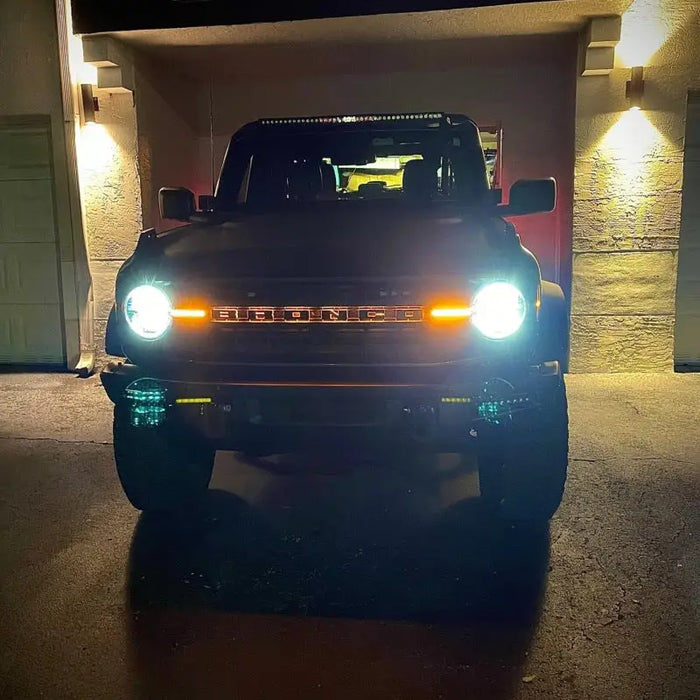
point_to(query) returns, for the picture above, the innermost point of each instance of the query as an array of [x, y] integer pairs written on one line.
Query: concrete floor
[[352, 583]]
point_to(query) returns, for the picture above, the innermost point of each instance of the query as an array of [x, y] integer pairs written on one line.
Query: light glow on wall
[[629, 147], [96, 154], [646, 26], [632, 138], [80, 71], [96, 150]]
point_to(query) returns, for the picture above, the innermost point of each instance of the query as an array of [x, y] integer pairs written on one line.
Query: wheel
[[160, 469], [524, 480]]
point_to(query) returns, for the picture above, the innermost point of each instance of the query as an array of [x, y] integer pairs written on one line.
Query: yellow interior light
[[188, 313], [450, 313], [194, 399]]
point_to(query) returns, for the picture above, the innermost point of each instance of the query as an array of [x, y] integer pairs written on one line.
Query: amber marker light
[[188, 313], [450, 313]]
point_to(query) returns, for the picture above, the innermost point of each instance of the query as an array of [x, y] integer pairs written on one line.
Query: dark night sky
[[114, 15]]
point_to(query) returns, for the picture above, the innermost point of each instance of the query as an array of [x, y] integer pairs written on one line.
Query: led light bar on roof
[[354, 119]]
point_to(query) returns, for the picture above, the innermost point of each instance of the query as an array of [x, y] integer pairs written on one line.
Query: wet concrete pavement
[[351, 580]]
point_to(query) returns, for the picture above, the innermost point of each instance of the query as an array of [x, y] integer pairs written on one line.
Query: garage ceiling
[[244, 62], [552, 17], [361, 44]]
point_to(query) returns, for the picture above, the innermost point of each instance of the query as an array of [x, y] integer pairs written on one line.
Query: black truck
[[354, 280]]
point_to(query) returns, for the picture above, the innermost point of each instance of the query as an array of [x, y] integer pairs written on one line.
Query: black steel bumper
[[229, 414]]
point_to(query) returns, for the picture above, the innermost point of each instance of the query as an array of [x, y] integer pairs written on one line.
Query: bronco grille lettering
[[317, 314]]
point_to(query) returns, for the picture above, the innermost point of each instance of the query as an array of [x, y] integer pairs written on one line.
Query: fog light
[[496, 401], [148, 402], [494, 412]]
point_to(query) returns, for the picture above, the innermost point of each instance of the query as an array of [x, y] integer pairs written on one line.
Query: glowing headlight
[[498, 310], [147, 311]]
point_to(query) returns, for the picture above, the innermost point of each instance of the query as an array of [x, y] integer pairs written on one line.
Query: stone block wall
[[627, 198]]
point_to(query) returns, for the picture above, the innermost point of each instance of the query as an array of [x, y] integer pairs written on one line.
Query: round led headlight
[[148, 311], [498, 310]]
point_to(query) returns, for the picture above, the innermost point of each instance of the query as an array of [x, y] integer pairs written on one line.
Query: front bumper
[[232, 414]]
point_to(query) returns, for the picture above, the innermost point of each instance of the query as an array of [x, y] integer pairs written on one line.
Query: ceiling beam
[[90, 17]]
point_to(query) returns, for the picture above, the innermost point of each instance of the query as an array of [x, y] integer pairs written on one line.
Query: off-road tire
[[523, 481], [160, 469]]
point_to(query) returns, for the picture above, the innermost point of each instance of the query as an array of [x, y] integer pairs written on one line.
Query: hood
[[338, 240]]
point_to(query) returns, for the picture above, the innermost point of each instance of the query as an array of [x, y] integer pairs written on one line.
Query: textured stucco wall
[[627, 194], [528, 86], [140, 143], [166, 110], [111, 192]]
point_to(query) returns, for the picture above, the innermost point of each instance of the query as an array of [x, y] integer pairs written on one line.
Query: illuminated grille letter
[[409, 314], [296, 315], [334, 315], [261, 315], [372, 314]]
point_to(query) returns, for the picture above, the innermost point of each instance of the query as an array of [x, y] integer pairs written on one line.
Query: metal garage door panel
[[28, 273], [26, 212], [24, 154], [30, 304], [30, 333], [687, 348]]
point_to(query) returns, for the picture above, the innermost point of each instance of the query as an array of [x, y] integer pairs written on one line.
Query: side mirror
[[176, 203], [531, 197]]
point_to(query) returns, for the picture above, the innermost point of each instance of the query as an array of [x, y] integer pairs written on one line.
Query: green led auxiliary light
[[147, 403]]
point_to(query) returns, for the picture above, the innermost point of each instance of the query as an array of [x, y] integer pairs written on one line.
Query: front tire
[[524, 481], [160, 469]]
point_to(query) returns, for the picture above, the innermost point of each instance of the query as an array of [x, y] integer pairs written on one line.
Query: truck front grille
[[314, 344]]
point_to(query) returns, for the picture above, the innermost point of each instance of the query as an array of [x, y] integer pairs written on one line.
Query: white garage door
[[688, 289], [30, 307]]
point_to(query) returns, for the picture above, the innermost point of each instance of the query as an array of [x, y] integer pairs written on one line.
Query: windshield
[[416, 166]]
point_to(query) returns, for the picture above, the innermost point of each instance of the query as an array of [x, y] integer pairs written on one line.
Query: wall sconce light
[[635, 88], [89, 102]]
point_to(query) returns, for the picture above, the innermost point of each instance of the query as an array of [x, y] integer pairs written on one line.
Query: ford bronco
[[354, 279]]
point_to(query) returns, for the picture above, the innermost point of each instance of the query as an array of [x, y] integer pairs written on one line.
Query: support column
[[627, 196]]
